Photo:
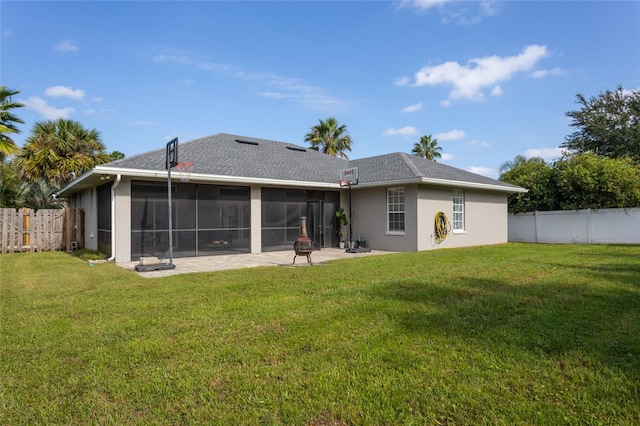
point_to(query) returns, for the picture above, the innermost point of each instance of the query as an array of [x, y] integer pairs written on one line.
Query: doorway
[[321, 223]]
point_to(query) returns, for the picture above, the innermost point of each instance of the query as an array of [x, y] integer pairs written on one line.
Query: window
[[458, 210], [395, 210]]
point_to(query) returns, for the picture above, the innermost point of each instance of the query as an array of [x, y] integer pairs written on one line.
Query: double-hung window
[[395, 210], [458, 210]]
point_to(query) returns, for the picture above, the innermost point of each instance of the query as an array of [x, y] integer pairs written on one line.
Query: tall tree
[[573, 182], [607, 125], [533, 174], [8, 121], [588, 181], [9, 185], [427, 148], [329, 137], [39, 195], [116, 155], [58, 150], [508, 165]]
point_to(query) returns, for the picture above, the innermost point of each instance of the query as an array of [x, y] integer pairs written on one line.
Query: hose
[[441, 227]]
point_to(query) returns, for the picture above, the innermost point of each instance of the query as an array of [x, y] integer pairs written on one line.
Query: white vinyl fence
[[605, 226]]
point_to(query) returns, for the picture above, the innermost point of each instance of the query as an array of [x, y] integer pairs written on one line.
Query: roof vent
[[297, 148], [246, 142]]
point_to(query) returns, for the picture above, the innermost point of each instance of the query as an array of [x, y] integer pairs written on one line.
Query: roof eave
[[157, 174], [443, 182], [473, 185], [99, 172]]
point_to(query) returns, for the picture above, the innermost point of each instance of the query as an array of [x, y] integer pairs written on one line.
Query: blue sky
[[489, 79]]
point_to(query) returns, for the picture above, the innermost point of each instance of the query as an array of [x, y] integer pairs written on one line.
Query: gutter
[[443, 182], [113, 217]]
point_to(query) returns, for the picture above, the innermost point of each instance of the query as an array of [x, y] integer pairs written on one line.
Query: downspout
[[113, 217]]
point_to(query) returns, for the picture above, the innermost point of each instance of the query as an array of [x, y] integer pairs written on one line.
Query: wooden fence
[[42, 230]]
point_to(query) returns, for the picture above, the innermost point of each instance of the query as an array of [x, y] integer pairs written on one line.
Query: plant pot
[[341, 244]]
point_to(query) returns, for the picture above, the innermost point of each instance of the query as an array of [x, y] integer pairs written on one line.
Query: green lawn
[[509, 334]]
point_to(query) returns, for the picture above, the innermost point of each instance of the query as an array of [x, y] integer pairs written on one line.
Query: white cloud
[[210, 66], [545, 153], [449, 136], [265, 84], [402, 81], [546, 73], [412, 108], [178, 59], [447, 157], [422, 4], [464, 13], [469, 80], [49, 112], [293, 89], [64, 92], [496, 91], [484, 171], [478, 143], [66, 46], [404, 131]]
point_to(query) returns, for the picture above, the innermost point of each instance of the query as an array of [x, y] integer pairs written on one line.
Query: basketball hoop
[[344, 183], [184, 171]]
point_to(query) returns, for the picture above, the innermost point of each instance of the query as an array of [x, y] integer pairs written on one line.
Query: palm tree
[[59, 149], [427, 148], [39, 195], [329, 138], [7, 121], [508, 165]]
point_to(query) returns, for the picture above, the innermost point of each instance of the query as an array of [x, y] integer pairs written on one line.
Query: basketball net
[[184, 171]]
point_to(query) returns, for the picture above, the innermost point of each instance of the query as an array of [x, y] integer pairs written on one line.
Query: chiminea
[[303, 245]]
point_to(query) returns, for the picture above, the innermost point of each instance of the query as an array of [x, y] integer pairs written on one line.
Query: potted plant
[[342, 221]]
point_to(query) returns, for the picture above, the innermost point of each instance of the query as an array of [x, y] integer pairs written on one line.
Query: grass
[[87, 254], [509, 334]]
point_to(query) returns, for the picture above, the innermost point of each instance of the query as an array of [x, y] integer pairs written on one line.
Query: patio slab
[[248, 260]]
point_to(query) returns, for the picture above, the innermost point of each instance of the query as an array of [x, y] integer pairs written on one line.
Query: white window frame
[[396, 205], [457, 220]]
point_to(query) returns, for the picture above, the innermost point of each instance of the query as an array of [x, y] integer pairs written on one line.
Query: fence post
[[67, 228], [536, 225], [589, 226]]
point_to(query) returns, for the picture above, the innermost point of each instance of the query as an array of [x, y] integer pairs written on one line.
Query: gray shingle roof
[[401, 166], [223, 155]]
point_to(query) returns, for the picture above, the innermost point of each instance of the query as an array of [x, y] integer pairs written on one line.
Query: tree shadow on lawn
[[617, 273], [542, 317]]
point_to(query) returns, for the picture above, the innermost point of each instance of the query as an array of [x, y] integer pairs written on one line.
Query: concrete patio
[[247, 260]]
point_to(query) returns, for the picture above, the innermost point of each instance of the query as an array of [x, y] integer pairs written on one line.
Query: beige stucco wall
[[122, 221], [256, 218], [485, 218], [370, 218], [87, 200]]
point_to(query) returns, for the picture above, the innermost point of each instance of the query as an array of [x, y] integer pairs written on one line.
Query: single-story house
[[247, 195]]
